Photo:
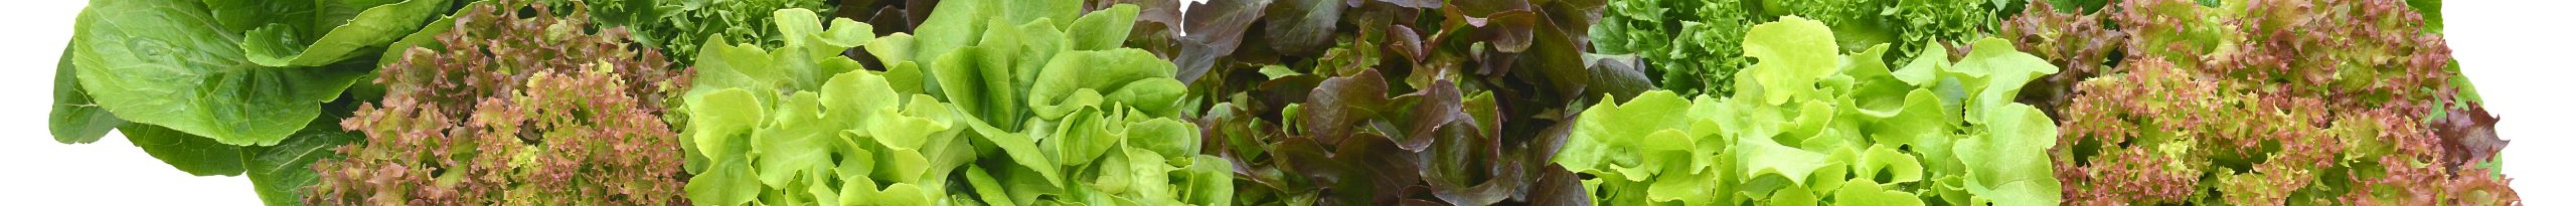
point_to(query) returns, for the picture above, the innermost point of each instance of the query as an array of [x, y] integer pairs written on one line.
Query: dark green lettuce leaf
[[185, 62], [196, 155], [75, 118], [281, 44], [280, 171]]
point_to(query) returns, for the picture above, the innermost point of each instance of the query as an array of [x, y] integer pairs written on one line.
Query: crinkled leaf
[[1794, 53], [2010, 165]]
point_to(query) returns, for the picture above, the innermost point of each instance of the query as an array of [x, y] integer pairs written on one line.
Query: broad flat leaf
[[281, 45], [1092, 78], [194, 81], [1023, 150], [1340, 102], [426, 38], [959, 23], [196, 155], [1213, 30], [1173, 139], [990, 191], [1102, 30], [75, 118], [1302, 27], [280, 171], [1208, 181]]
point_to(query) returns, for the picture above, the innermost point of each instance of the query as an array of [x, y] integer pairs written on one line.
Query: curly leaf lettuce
[[1032, 111], [1810, 125]]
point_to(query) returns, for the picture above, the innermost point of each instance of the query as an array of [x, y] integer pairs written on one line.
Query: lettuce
[[511, 108], [1694, 45], [1003, 103], [227, 87], [1808, 125], [2237, 102], [1324, 102], [244, 73], [677, 27]]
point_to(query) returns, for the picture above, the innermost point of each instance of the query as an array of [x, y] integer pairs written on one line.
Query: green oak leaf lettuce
[[1812, 125], [1000, 103], [1693, 46]]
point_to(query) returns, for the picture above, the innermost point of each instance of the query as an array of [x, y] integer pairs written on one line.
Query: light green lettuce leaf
[[2010, 165], [1794, 52]]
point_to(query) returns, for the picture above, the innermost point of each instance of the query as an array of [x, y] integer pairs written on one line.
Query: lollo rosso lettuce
[[1810, 126], [2258, 102], [506, 109], [992, 103]]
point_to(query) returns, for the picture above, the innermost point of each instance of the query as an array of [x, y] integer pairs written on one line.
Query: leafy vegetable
[[244, 73], [677, 27], [1390, 102], [512, 109], [1004, 103], [1810, 126], [1693, 45], [226, 87], [2273, 102], [76, 118], [2084, 44]]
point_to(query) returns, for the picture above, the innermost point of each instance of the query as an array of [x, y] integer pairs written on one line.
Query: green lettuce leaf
[[281, 172], [282, 44], [198, 81], [196, 155], [75, 118], [1813, 126]]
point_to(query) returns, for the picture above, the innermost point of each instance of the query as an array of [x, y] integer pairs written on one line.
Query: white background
[[2513, 50]]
